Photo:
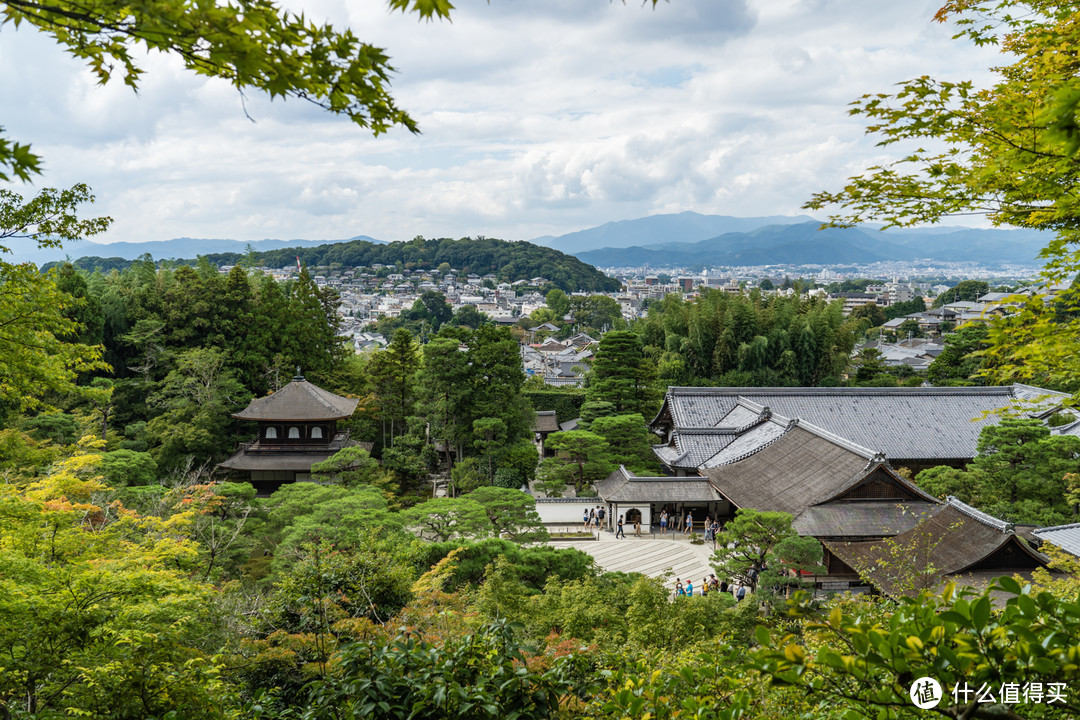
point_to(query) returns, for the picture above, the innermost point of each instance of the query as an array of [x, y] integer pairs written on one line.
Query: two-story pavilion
[[297, 429]]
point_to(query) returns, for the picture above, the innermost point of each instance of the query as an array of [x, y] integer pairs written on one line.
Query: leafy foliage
[[862, 663]]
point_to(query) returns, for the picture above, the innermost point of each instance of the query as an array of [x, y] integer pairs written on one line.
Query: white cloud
[[537, 118]]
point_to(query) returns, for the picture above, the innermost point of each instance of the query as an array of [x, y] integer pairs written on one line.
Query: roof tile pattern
[[301, 401], [797, 470], [904, 423], [954, 540]]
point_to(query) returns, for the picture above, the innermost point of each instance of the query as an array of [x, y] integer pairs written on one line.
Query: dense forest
[[731, 339], [507, 261]]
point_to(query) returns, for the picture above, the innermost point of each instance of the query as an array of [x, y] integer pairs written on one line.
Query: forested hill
[[508, 261]]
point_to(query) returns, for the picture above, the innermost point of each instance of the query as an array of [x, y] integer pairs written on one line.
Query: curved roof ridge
[[1070, 526], [974, 514], [961, 390], [753, 451]]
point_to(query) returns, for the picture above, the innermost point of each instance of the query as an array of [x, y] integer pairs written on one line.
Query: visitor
[[679, 588], [619, 533], [600, 516], [663, 522], [704, 586], [592, 517], [637, 525], [708, 528], [740, 594], [690, 588], [689, 523], [723, 586], [585, 519]]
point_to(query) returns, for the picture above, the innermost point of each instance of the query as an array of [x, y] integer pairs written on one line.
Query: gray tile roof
[[622, 486], [865, 519], [299, 400], [904, 423], [1066, 537]]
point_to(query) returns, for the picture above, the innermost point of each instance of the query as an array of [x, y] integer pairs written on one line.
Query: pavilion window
[[294, 433], [316, 433], [271, 433]]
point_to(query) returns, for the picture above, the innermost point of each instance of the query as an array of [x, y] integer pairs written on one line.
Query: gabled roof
[[904, 423], [622, 486], [957, 542], [299, 400], [803, 467], [544, 421]]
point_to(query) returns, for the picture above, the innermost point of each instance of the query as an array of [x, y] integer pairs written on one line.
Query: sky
[[536, 117]]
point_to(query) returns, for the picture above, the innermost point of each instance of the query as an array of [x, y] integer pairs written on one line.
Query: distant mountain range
[[23, 250], [686, 227], [664, 241], [803, 243]]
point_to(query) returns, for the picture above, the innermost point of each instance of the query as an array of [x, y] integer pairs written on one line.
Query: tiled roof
[[864, 519], [799, 469], [622, 486], [904, 423], [545, 421], [1066, 537], [956, 541], [299, 400]]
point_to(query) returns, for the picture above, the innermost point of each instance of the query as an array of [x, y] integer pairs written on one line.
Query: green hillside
[[508, 261]]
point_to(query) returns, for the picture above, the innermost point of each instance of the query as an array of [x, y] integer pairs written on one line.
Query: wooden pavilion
[[297, 428]]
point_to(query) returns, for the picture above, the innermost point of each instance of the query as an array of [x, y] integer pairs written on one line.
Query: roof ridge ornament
[[298, 377]]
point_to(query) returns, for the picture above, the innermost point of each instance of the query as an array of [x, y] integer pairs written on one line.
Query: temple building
[[297, 428]]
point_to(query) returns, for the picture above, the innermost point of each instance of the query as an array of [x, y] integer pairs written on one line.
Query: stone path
[[648, 555]]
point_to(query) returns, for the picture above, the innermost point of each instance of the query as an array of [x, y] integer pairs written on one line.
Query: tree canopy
[[1007, 151]]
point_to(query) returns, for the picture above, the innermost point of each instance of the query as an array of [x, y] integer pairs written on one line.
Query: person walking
[[585, 519], [592, 517], [740, 594], [600, 513], [690, 588], [704, 586], [619, 532], [637, 526], [689, 523], [663, 522]]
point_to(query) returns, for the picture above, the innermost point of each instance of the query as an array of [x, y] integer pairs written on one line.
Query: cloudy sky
[[537, 117]]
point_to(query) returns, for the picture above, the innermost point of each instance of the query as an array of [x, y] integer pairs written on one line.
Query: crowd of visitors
[[710, 584]]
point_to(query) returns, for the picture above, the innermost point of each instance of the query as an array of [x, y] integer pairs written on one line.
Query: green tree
[[489, 434], [860, 661], [869, 312], [481, 676], [762, 548], [620, 375], [253, 45], [959, 362], [581, 459], [629, 442], [103, 617], [1008, 151], [393, 379], [558, 302], [469, 316], [37, 320], [125, 468], [442, 519], [512, 513], [196, 400]]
